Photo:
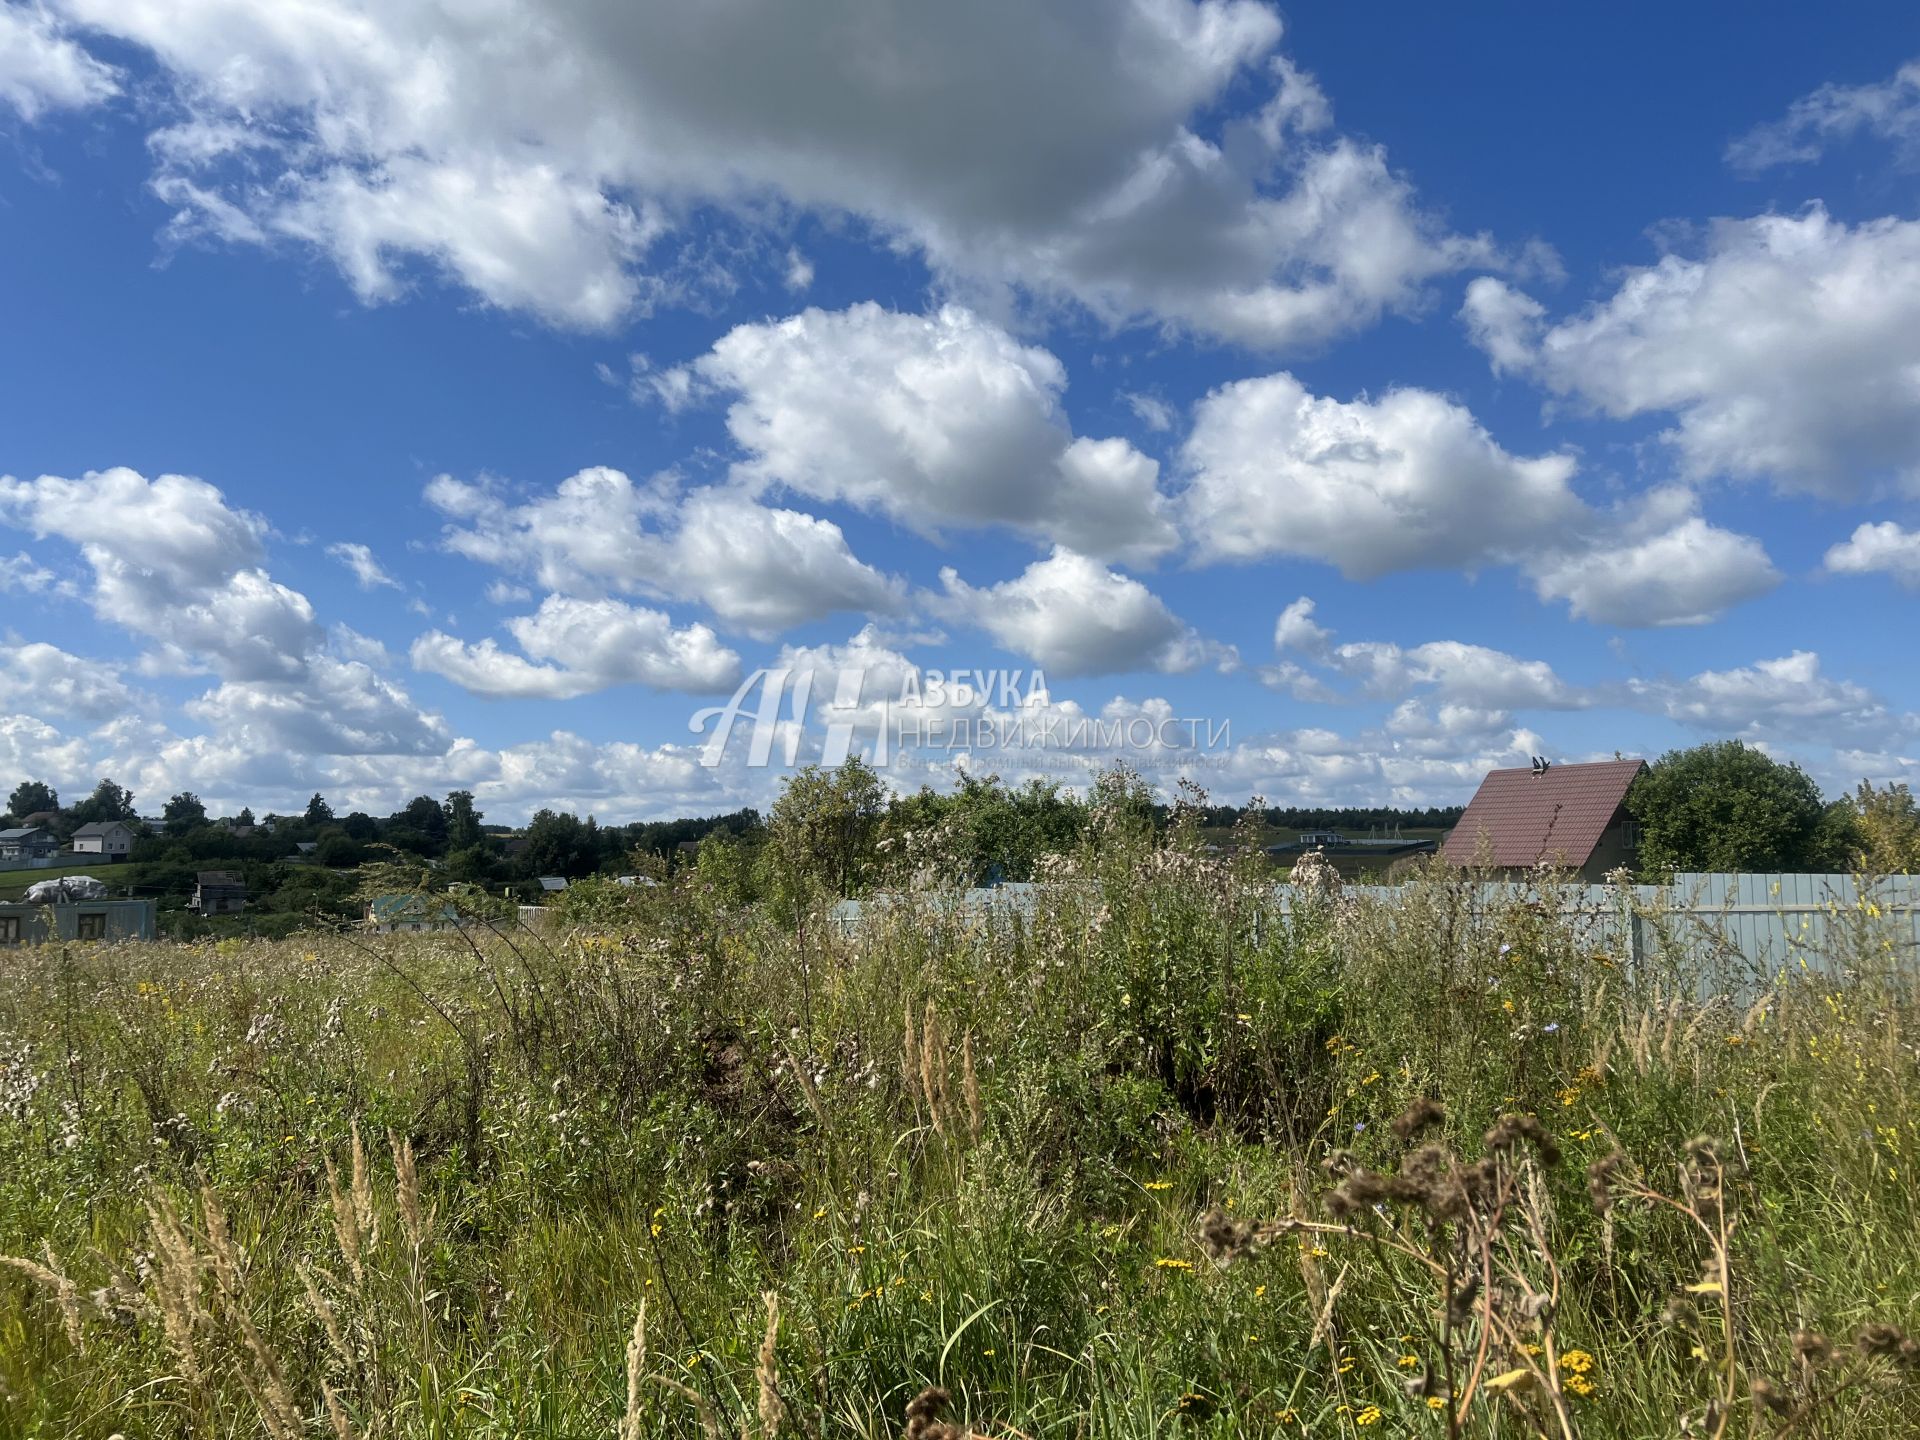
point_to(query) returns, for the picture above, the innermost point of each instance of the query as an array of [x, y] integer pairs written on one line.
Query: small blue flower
[[1358, 1126]]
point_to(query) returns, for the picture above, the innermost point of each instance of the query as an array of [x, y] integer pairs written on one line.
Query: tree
[[318, 811], [423, 813], [820, 833], [108, 802], [1886, 827], [30, 797], [557, 845], [245, 817], [463, 821], [1728, 807], [184, 812]]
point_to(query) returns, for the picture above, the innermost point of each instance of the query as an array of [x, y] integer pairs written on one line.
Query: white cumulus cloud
[[1787, 350]]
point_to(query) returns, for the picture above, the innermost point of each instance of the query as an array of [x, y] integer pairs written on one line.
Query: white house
[[111, 838]]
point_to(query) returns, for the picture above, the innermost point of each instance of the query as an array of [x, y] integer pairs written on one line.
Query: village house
[[28, 845], [1571, 817], [218, 892], [112, 839], [410, 914]]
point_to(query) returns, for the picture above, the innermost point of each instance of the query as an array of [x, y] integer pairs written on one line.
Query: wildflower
[[1258, 1291], [1576, 1362], [1167, 1263], [1368, 1416], [1581, 1386], [1552, 1027], [1159, 1185], [1436, 1402], [1407, 1362]]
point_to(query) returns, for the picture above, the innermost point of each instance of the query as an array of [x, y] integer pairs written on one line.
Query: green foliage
[[1729, 807], [30, 797], [184, 812], [318, 811], [990, 831], [107, 802], [1886, 826], [463, 821], [821, 831]]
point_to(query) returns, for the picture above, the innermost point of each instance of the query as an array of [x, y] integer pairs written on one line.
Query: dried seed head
[[1224, 1238], [1813, 1347], [1422, 1115], [1600, 1179], [1510, 1130], [1879, 1341], [1768, 1396], [923, 1417]]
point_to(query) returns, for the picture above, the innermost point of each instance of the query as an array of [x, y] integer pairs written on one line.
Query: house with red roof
[[1572, 817]]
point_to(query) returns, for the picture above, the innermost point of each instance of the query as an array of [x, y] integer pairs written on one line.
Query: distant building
[[409, 914], [1572, 817], [28, 845], [553, 884], [110, 838], [218, 892], [27, 924]]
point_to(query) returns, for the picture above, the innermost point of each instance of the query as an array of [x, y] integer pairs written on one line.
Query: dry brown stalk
[[178, 1282], [323, 1311], [767, 1372], [933, 1069], [709, 1421], [414, 1220], [336, 1416], [65, 1294], [636, 1374], [970, 1088]]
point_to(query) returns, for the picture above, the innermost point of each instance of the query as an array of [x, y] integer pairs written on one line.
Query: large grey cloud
[[548, 154]]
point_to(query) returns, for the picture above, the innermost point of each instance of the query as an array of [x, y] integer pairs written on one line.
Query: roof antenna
[[1541, 764]]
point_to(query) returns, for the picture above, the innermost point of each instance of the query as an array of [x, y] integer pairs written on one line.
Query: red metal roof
[[1525, 818]]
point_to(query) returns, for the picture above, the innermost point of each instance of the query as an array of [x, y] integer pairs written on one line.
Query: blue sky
[[418, 396]]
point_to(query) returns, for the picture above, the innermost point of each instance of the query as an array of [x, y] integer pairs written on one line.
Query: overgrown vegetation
[[1155, 1158]]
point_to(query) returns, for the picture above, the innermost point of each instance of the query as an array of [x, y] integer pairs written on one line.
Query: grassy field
[[13, 883], [1158, 1163]]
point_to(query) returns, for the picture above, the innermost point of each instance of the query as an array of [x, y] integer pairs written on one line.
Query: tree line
[[1724, 806]]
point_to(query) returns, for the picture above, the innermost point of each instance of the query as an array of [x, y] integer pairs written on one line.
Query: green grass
[[13, 883], [958, 1154]]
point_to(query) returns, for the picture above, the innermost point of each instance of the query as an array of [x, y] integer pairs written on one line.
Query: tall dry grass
[[1156, 1158]]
